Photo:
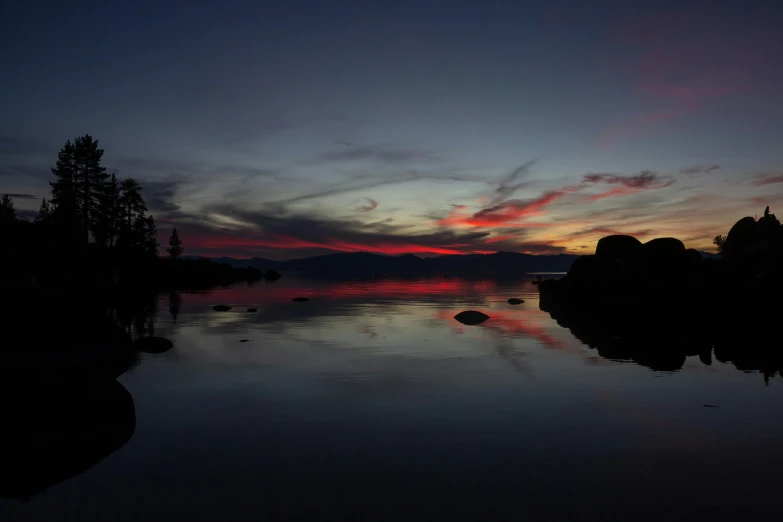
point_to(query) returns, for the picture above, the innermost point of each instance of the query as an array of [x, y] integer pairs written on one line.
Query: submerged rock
[[221, 308], [153, 344], [252, 310], [300, 299], [471, 317], [515, 301]]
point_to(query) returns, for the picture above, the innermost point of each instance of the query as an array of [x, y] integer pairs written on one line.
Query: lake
[[370, 402]]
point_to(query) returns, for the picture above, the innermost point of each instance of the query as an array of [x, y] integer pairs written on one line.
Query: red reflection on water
[[226, 243], [285, 291], [526, 323]]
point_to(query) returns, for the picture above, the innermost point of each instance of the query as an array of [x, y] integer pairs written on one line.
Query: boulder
[[153, 345], [221, 308], [743, 235], [769, 227], [665, 256], [583, 267], [515, 301], [300, 299], [54, 432], [471, 317], [693, 257], [617, 247], [664, 247]]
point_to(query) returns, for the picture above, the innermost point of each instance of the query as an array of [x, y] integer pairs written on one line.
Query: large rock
[[664, 248], [53, 433], [583, 267], [743, 235], [471, 317], [617, 247]]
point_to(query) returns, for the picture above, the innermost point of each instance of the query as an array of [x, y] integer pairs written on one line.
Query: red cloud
[[507, 214], [767, 180]]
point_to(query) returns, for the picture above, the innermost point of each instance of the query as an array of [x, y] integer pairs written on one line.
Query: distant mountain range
[[365, 265]]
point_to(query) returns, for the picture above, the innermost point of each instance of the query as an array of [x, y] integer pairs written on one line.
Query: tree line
[[87, 205]]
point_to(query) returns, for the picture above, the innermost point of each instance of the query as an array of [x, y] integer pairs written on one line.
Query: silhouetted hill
[[367, 265]]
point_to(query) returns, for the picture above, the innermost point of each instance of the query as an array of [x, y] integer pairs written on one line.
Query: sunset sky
[[293, 128]]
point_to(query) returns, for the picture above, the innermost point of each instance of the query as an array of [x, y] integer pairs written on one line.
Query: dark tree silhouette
[[44, 212], [720, 242], [150, 233], [175, 245], [7, 212], [65, 207], [132, 209], [89, 178], [108, 226], [131, 202]]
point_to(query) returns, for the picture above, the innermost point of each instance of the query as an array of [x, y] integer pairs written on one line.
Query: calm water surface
[[371, 402]]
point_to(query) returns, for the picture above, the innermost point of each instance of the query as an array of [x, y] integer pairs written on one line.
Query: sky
[[284, 129]]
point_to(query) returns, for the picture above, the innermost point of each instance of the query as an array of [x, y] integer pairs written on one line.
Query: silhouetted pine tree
[[150, 238], [65, 204], [7, 212], [108, 225], [132, 209], [175, 245], [90, 179], [44, 212]]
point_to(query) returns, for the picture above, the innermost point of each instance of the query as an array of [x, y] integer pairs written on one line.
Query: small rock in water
[[221, 308], [243, 340], [252, 309], [471, 317], [300, 299], [710, 406], [152, 345], [515, 301]]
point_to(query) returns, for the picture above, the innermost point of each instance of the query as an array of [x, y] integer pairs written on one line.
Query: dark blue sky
[[284, 129]]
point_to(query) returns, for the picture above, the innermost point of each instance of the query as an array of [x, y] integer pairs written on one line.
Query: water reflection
[[663, 341], [371, 400], [52, 435]]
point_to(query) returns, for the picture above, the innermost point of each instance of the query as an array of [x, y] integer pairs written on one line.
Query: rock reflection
[[50, 435]]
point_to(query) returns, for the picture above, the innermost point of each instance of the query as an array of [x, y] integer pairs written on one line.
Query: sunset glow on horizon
[[363, 128]]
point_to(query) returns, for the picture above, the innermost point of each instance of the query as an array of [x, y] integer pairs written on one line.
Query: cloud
[[359, 183], [510, 184], [645, 180], [378, 154], [766, 180], [370, 204], [700, 169], [160, 195], [22, 196], [507, 214], [516, 212], [272, 234], [607, 231]]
